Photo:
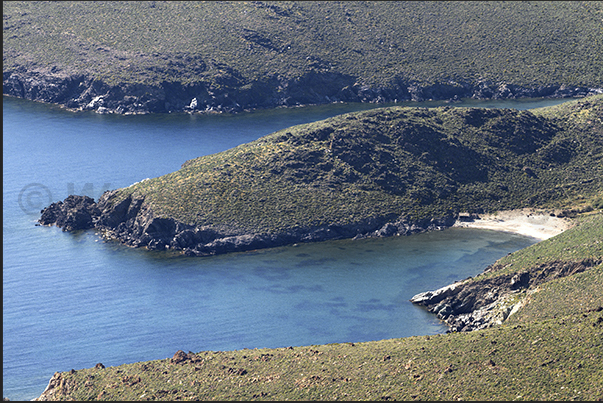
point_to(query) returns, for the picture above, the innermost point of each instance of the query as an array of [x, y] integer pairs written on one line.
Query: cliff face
[[79, 91]]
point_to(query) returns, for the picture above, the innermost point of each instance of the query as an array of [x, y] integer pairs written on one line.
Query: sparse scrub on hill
[[390, 162], [382, 172], [264, 54], [583, 243], [385, 163], [581, 292]]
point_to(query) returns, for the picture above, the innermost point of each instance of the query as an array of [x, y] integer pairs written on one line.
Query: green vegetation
[[585, 243], [243, 44], [551, 349], [388, 162], [391, 162], [418, 163]]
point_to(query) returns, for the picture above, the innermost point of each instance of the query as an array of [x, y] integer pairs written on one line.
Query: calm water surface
[[72, 300]]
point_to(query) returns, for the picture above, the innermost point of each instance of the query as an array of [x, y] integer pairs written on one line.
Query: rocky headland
[[479, 303], [133, 223], [383, 172]]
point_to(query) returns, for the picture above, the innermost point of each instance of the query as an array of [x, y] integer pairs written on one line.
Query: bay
[[72, 300]]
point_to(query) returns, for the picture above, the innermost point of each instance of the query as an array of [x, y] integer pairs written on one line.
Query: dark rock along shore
[[133, 223], [474, 304], [81, 92]]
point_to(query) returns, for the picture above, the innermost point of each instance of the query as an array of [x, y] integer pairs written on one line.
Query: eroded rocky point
[[133, 223], [478, 303]]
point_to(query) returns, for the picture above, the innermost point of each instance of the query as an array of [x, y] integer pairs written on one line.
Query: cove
[[72, 300]]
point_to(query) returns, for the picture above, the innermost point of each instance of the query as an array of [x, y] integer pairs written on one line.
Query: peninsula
[[383, 172]]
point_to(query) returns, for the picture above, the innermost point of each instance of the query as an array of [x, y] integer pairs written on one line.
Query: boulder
[[179, 357], [74, 213]]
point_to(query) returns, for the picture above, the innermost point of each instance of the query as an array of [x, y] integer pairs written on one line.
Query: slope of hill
[[154, 56], [374, 173]]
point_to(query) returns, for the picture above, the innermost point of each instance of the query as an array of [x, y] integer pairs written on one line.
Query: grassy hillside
[[520, 42], [391, 162], [418, 163], [252, 50], [550, 349], [587, 243]]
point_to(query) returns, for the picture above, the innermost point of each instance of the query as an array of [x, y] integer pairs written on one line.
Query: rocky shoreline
[[133, 223], [464, 306], [81, 92], [485, 301], [478, 303]]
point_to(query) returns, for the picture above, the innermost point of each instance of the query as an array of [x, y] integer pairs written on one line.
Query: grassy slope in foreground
[[390, 164], [550, 349]]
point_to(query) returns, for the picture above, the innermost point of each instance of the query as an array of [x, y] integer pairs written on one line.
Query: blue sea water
[[72, 300]]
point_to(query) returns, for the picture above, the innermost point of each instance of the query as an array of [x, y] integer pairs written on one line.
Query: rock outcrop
[[84, 92], [475, 303], [133, 223], [75, 213], [58, 386]]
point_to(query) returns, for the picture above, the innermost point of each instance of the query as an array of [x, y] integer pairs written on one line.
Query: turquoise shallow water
[[72, 300]]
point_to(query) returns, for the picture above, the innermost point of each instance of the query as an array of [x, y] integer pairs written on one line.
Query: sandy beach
[[537, 224]]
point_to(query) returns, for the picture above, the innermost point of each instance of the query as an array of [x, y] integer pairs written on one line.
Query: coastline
[[481, 302], [530, 222]]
